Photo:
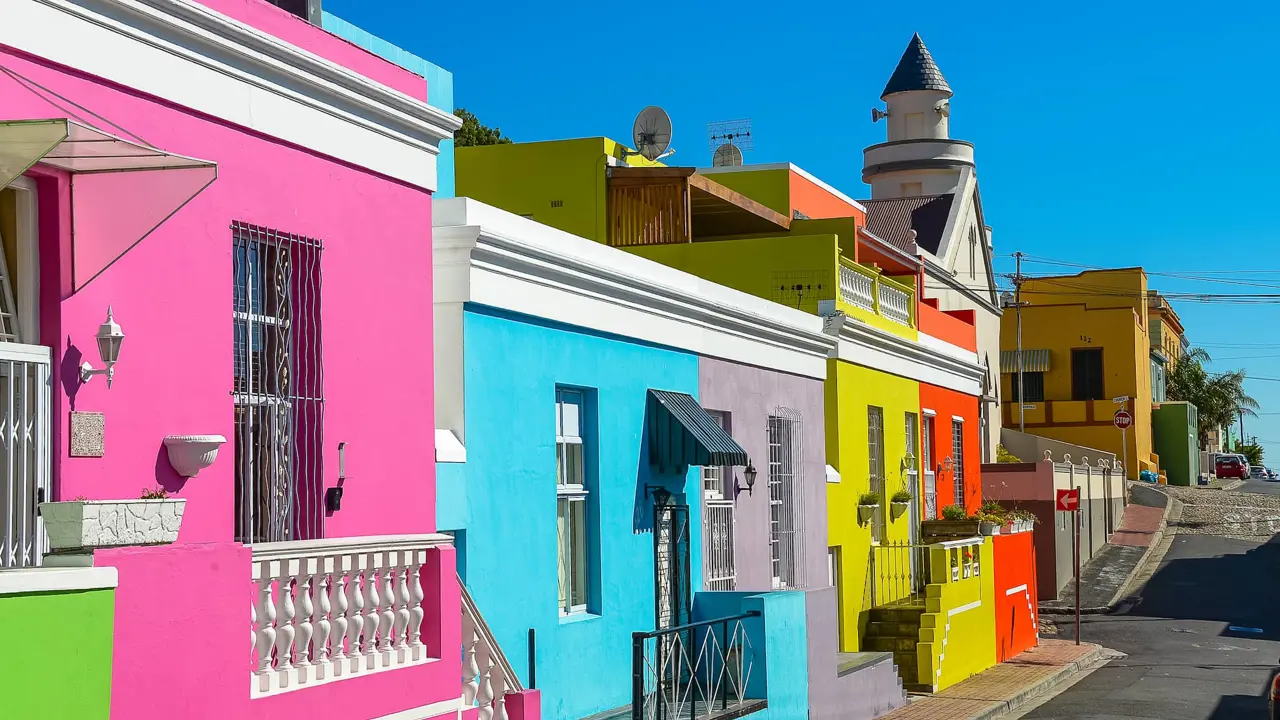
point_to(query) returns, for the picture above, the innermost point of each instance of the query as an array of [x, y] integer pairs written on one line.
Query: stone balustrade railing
[[326, 610], [856, 287], [487, 676]]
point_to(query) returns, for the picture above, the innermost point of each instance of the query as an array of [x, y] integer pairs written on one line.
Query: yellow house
[[1086, 353], [1168, 342]]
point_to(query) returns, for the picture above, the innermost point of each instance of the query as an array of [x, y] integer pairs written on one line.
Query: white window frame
[[786, 501], [571, 493], [713, 476], [927, 431], [23, 303], [957, 457]]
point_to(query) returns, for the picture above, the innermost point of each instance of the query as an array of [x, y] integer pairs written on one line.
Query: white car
[[1258, 472]]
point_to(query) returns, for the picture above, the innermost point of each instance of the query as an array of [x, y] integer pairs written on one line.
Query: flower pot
[[955, 573], [898, 508], [976, 569], [189, 454], [948, 529], [78, 525], [865, 512], [988, 528], [968, 571]]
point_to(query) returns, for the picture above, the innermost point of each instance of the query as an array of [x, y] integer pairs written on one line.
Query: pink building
[[250, 199]]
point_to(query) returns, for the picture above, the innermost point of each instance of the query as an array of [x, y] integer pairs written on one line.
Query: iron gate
[[24, 452], [671, 564]]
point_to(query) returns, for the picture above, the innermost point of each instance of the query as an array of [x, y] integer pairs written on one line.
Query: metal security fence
[[786, 499], [279, 385], [697, 670], [25, 426], [899, 572], [717, 541]]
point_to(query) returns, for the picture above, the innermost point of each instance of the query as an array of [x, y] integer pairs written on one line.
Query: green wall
[[1175, 438], [771, 188], [59, 659]]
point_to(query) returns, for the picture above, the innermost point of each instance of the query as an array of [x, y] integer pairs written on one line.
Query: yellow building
[[1086, 342], [1168, 342]]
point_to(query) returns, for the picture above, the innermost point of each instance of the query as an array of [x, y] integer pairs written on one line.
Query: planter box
[[988, 528], [898, 508], [865, 512], [949, 529], [88, 524]]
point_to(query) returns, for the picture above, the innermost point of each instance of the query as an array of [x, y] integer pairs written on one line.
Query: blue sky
[[1104, 136]]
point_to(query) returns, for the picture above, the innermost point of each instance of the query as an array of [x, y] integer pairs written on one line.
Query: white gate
[[24, 452]]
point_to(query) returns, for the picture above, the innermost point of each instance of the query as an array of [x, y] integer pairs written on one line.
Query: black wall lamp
[[749, 474], [333, 496]]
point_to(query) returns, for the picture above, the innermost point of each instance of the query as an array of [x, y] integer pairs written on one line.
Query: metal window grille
[[930, 479], [717, 531], [875, 453], [713, 476], [278, 385], [786, 502], [957, 457], [571, 502], [24, 452]]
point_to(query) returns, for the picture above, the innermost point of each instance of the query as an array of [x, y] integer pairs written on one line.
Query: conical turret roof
[[916, 71]]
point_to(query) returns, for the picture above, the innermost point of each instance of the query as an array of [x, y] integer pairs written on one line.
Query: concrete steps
[[896, 629]]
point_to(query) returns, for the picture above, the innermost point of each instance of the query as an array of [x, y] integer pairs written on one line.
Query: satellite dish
[[652, 132], [727, 155]]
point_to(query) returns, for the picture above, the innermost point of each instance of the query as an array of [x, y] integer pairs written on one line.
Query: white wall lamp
[[109, 339]]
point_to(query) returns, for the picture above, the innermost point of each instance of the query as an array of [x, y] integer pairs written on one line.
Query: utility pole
[[1017, 301], [1241, 411]]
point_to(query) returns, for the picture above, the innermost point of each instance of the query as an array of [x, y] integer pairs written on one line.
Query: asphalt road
[[1265, 487], [1183, 661]]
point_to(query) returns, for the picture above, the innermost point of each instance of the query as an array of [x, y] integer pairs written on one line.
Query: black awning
[[682, 433]]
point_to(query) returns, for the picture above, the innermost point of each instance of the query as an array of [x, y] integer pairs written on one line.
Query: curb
[[1232, 486], [1043, 685]]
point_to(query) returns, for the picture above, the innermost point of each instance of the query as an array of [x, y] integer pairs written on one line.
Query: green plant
[[986, 517], [156, 493], [902, 496], [1004, 456], [869, 498], [473, 132], [991, 507], [954, 512], [1020, 514]]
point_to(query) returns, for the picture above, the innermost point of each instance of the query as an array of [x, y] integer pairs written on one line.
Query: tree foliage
[[1219, 397], [1251, 451], [473, 133]]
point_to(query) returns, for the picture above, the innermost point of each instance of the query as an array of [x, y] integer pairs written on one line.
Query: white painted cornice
[[508, 262], [933, 269], [871, 347], [199, 58]]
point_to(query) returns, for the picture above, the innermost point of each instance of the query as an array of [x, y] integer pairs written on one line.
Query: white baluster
[[302, 641], [402, 609], [484, 696], [320, 622], [355, 616], [470, 668], [338, 598], [500, 697], [284, 626], [372, 615], [265, 620], [416, 611], [386, 623]]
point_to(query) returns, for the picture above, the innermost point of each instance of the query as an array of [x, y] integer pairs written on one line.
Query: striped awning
[[1032, 361], [682, 433]]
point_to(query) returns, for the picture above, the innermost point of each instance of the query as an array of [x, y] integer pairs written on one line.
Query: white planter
[[955, 573], [865, 512], [898, 508], [189, 454], [988, 528], [89, 524]]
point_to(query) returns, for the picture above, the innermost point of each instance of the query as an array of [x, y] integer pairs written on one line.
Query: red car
[[1229, 466]]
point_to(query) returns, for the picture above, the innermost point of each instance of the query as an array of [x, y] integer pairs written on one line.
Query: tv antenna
[[727, 140], [651, 133]]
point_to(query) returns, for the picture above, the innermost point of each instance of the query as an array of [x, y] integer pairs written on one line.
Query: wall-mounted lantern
[[948, 465], [749, 474], [109, 338]]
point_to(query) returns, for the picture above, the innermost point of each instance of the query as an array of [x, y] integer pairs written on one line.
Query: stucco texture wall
[[513, 365], [59, 660], [957, 630], [172, 295], [1016, 600], [1176, 439], [947, 405], [850, 390]]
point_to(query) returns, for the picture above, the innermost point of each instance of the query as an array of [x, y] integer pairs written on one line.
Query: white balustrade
[[895, 304], [319, 613], [487, 677], [856, 288]]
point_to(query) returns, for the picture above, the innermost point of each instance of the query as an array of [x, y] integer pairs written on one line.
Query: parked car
[[1258, 472], [1273, 698], [1230, 466]]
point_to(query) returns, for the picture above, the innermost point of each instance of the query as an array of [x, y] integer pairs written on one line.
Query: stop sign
[[1122, 419]]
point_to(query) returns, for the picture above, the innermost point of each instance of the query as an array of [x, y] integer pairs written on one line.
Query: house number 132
[[1086, 338]]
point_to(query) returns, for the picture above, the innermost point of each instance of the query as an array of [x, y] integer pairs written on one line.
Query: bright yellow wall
[[771, 188], [767, 267], [850, 389], [960, 612]]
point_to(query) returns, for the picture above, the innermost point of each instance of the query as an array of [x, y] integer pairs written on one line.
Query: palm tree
[[1219, 397]]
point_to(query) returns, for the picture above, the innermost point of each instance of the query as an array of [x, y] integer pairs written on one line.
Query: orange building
[[950, 425]]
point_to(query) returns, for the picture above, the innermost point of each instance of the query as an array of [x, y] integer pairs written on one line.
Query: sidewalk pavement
[[1006, 686], [1106, 576]]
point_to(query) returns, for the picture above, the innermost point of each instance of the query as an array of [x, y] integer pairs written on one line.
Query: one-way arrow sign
[[1069, 500]]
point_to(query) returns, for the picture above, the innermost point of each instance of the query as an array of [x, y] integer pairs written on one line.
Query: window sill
[[578, 617]]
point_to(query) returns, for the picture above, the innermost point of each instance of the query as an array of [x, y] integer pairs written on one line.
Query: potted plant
[[867, 505], [955, 569], [900, 502], [989, 524], [80, 525], [968, 563], [955, 523], [1026, 519]]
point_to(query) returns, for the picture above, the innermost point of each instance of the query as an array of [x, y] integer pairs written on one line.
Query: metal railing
[[697, 670], [899, 572], [717, 539], [24, 452]]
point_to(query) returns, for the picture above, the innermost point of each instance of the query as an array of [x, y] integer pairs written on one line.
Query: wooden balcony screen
[[649, 214]]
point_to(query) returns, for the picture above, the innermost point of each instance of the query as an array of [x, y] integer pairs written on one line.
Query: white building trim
[[490, 257], [50, 579], [946, 348], [784, 166], [186, 53], [877, 349]]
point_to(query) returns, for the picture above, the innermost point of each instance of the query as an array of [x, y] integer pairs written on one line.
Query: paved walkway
[[1004, 686], [1138, 525]]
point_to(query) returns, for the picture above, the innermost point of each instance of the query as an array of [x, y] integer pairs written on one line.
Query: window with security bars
[[718, 563], [572, 496], [278, 385], [786, 503], [912, 434], [875, 455], [957, 457], [930, 477]]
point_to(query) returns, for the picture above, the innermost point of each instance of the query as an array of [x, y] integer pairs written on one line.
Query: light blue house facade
[[439, 83], [568, 377]]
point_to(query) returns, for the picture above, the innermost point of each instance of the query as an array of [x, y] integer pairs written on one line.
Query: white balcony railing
[[857, 289], [326, 610], [487, 677], [895, 304]]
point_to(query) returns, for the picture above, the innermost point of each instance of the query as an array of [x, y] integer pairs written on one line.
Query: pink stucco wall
[[172, 296]]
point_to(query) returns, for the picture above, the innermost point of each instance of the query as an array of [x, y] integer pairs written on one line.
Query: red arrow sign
[[1069, 500], [1122, 419]]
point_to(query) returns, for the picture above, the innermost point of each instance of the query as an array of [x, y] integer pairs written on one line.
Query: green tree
[[1219, 397], [1251, 451], [473, 133]]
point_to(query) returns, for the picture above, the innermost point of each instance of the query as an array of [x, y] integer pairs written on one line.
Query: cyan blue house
[[567, 383], [439, 83]]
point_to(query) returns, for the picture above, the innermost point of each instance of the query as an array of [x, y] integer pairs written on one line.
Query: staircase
[[896, 629]]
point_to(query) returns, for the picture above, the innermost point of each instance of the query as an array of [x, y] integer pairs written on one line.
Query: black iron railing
[[899, 572], [698, 670]]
